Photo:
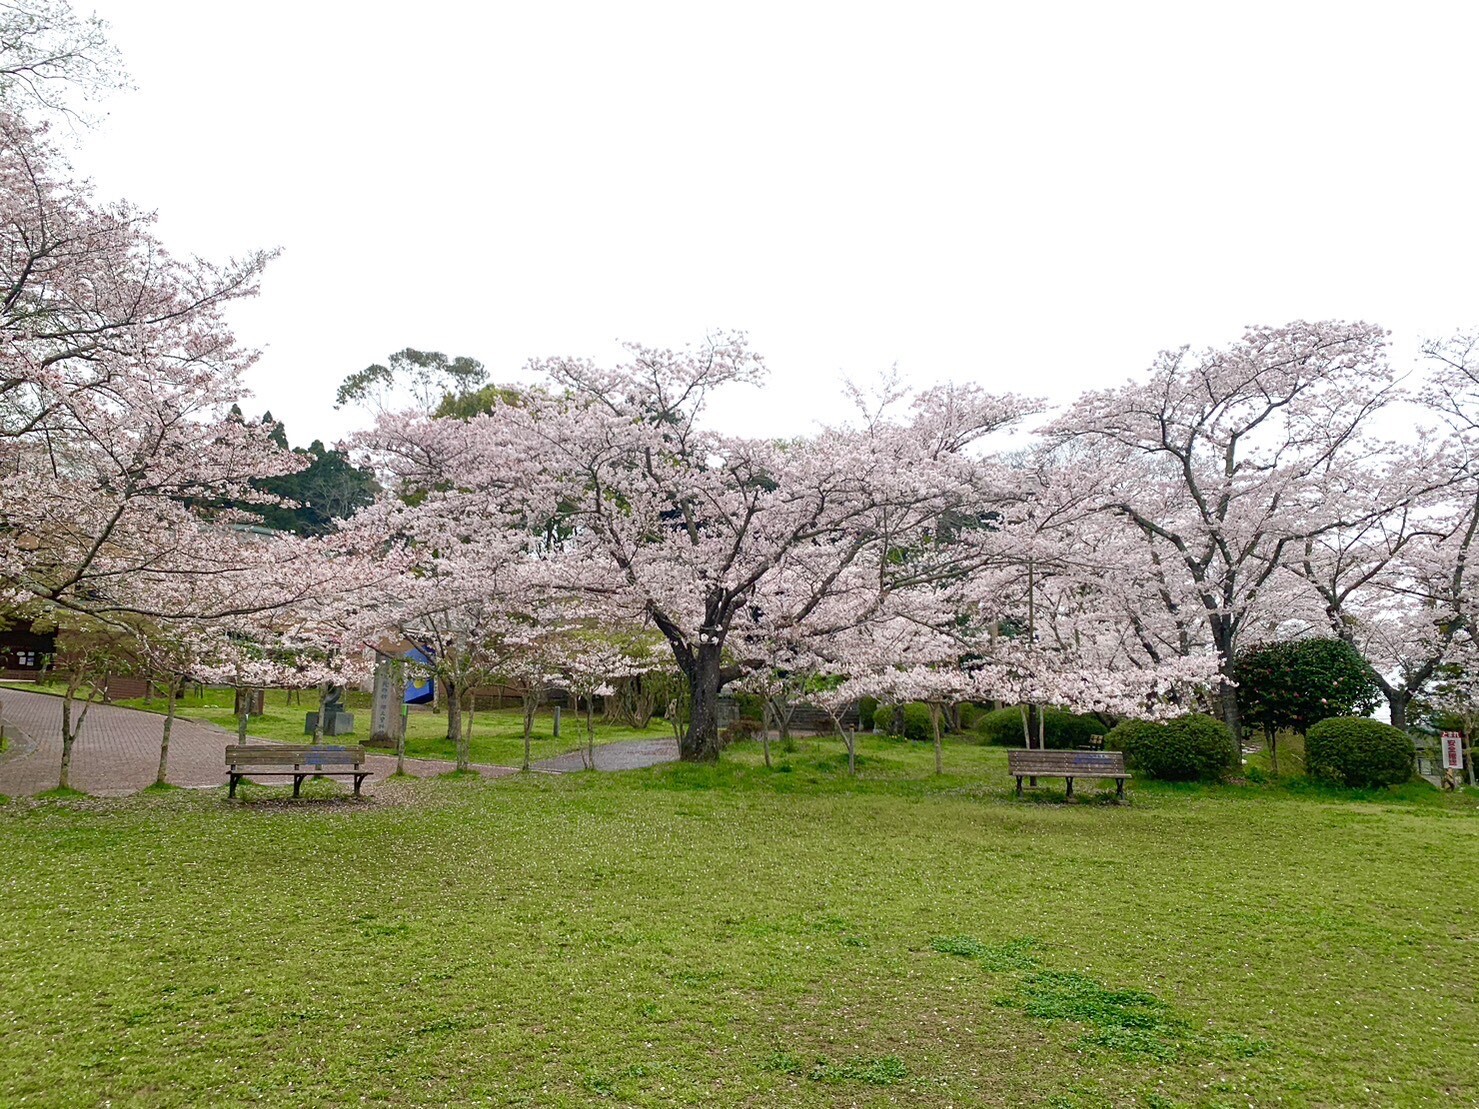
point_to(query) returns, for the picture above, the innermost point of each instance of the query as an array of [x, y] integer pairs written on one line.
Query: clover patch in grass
[[1126, 1021], [1011, 955], [371, 927], [782, 1062], [884, 1071]]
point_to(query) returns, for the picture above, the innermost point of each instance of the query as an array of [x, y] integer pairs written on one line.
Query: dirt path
[[118, 751]]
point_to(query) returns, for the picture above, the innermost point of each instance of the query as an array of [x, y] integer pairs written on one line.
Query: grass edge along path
[[497, 734]]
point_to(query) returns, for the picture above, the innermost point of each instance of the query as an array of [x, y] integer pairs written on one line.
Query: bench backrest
[[288, 754], [1068, 763]]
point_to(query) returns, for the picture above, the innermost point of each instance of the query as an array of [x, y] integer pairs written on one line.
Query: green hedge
[[916, 721], [1062, 731], [1188, 748], [749, 706], [1353, 751]]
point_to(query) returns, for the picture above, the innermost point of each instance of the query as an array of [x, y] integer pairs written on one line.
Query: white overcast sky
[[1036, 196]]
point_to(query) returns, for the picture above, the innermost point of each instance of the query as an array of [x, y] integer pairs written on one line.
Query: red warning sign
[[1453, 751]]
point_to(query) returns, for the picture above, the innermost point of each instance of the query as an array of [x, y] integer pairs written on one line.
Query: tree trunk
[[645, 704], [531, 705], [765, 713], [71, 729], [1227, 692], [456, 706], [1397, 702], [935, 724], [1232, 715], [1273, 750], [700, 743], [454, 714], [467, 725], [170, 685], [590, 734], [243, 714], [852, 753], [318, 717], [64, 781]]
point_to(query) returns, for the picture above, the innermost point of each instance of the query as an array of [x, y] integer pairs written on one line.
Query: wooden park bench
[[1068, 765], [283, 760]]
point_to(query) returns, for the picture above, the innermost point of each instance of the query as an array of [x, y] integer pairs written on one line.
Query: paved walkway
[[624, 754], [118, 751]]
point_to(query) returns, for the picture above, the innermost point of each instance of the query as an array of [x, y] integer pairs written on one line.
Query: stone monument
[[336, 720]]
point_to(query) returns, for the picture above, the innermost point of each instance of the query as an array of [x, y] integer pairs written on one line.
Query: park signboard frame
[[1452, 744]]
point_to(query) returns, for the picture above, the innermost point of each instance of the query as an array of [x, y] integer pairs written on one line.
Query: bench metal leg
[[1070, 788], [298, 783], [234, 779], [358, 778], [1019, 786], [1119, 794]]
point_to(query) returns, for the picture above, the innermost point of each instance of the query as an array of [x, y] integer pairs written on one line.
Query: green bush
[[1353, 751], [749, 706], [1062, 730], [1188, 748], [969, 714], [1293, 685], [867, 707], [916, 721], [738, 732]]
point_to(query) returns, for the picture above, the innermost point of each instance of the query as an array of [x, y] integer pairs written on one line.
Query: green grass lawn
[[734, 935], [497, 735]]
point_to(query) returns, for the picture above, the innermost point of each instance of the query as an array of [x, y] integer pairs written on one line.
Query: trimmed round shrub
[[916, 721], [1062, 730], [1354, 751], [969, 714], [917, 724], [1187, 749], [867, 707]]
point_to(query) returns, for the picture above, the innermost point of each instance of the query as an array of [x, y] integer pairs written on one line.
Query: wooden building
[[24, 652]]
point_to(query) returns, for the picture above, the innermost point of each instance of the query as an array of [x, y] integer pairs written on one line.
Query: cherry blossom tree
[[87, 652], [1394, 578], [252, 611], [701, 534], [115, 392], [1220, 458], [465, 594], [591, 660], [52, 61]]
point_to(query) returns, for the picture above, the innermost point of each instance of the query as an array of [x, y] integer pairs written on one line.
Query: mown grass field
[[743, 936]]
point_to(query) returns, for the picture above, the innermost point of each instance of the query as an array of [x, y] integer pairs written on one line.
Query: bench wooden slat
[[1081, 764], [1067, 765], [296, 761], [262, 754]]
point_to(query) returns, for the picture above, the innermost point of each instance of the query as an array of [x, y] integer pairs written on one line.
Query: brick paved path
[[118, 751]]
